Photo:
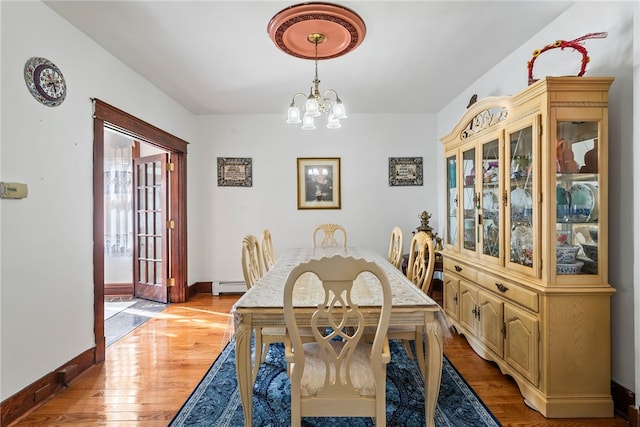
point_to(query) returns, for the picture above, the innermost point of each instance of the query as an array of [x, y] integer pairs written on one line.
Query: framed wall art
[[235, 172], [405, 171], [319, 183]]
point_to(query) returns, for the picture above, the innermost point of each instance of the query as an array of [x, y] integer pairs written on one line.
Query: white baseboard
[[228, 287]]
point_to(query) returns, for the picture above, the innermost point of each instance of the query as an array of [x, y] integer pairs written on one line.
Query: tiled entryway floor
[[124, 314]]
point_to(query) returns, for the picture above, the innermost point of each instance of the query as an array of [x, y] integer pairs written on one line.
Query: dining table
[[262, 306]]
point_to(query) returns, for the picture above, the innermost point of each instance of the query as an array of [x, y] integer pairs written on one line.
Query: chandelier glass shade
[[298, 30], [317, 103]]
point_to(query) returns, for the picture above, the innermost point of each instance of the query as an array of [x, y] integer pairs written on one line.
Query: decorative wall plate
[[45, 81]]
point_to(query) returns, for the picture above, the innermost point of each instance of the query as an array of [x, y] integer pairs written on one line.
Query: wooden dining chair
[[396, 245], [422, 258], [338, 373], [419, 271], [251, 260], [252, 271], [268, 255], [329, 236]]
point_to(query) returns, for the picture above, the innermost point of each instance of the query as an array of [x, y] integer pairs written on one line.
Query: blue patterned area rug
[[216, 402]]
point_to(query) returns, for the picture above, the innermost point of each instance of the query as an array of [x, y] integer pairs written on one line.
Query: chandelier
[[297, 31], [317, 104]]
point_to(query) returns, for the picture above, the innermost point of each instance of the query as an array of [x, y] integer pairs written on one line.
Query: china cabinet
[[525, 255]]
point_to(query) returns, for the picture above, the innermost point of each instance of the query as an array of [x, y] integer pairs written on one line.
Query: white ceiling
[[215, 57]]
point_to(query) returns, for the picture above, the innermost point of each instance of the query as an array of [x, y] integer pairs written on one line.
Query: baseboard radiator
[[228, 287]]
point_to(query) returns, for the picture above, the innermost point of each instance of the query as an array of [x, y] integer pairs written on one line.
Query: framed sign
[[234, 172], [319, 183], [405, 171]]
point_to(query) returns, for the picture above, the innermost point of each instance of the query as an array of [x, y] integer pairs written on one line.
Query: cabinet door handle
[[502, 288], [458, 268], [455, 298]]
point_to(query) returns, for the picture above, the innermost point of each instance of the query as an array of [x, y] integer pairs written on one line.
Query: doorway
[[110, 119], [135, 247]]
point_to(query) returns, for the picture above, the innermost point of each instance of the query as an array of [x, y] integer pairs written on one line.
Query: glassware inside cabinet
[[469, 199], [521, 202], [491, 198], [452, 201], [577, 184]]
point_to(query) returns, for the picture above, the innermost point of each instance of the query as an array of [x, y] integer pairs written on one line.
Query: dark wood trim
[[136, 128], [115, 289], [178, 236], [634, 416], [37, 393], [98, 239], [623, 398], [200, 288]]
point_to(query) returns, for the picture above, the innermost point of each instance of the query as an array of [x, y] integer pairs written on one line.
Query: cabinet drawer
[[511, 291], [461, 270]]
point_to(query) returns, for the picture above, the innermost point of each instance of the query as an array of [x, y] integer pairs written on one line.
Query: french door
[[150, 229]]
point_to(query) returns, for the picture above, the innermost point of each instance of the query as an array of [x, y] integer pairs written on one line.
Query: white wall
[[46, 249], [370, 208], [611, 56]]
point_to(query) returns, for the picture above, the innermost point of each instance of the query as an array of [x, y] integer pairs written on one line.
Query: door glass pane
[[151, 272], [142, 248], [158, 246], [152, 248], [158, 223], [150, 170], [469, 198], [142, 222], [577, 180], [143, 271], [491, 199], [159, 273], [452, 201], [141, 199], [520, 187]]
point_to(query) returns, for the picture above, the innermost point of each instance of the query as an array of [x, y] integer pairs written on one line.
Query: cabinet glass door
[[491, 199], [577, 198], [469, 200], [521, 204], [452, 201]]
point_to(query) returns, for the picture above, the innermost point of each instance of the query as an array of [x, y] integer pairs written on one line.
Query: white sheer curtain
[[118, 216]]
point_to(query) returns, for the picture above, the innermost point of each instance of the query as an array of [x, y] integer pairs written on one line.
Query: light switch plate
[[13, 190]]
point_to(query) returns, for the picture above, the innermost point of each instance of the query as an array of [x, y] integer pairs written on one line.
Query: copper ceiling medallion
[[293, 28]]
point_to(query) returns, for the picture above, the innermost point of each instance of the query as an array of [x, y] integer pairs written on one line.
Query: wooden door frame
[[105, 115]]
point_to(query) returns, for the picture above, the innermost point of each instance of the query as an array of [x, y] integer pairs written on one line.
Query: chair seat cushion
[[361, 372]]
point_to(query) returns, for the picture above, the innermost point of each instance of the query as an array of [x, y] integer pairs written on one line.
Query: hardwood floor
[[151, 372]]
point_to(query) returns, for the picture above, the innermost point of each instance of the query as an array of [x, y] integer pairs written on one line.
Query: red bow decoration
[[574, 44]]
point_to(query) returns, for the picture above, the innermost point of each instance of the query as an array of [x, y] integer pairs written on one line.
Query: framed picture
[[405, 171], [319, 183], [234, 172]]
